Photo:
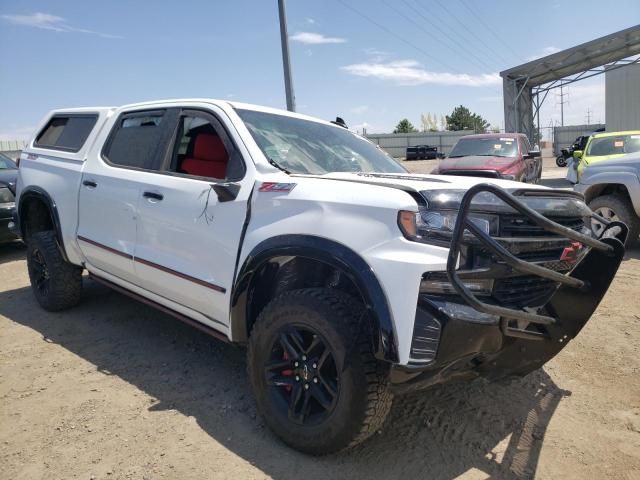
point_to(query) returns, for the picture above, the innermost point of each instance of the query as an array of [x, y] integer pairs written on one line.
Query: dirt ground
[[113, 389]]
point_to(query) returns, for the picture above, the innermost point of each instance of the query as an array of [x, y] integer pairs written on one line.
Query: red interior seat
[[209, 158]]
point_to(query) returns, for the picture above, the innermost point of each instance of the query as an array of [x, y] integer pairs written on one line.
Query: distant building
[[622, 98]]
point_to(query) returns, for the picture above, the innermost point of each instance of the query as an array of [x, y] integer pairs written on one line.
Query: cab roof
[[615, 134]]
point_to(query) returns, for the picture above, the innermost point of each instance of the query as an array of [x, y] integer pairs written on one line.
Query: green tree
[[462, 119], [404, 126]]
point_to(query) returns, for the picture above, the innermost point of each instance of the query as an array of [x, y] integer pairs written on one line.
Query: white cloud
[[543, 53], [312, 38], [46, 21], [310, 21], [410, 72]]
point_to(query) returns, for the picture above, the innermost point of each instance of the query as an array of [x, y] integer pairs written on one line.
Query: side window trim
[[170, 117], [92, 115]]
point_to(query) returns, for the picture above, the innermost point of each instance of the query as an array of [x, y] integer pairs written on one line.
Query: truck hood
[[498, 164], [419, 182], [628, 161]]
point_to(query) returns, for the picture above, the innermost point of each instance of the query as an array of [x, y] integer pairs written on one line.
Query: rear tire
[[561, 161], [616, 207], [339, 402], [56, 283]]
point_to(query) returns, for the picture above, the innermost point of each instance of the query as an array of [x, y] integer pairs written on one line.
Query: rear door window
[[139, 139], [66, 132]]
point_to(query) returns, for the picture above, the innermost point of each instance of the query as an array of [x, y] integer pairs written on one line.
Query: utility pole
[[562, 102], [286, 62], [588, 116]]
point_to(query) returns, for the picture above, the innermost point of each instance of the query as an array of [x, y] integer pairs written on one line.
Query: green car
[[607, 145]]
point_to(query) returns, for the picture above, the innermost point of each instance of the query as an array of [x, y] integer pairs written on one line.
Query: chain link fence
[[395, 144]]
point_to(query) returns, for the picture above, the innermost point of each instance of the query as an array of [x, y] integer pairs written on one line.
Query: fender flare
[[33, 191], [334, 254], [627, 179]]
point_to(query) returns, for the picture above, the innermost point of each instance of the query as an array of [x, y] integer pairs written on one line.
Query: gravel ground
[[113, 389]]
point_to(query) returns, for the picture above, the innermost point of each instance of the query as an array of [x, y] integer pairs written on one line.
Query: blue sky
[[372, 62]]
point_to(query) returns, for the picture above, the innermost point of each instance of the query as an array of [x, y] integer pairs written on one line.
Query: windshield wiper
[[279, 167]]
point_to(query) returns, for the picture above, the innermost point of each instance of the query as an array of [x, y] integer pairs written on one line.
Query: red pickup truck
[[494, 155]]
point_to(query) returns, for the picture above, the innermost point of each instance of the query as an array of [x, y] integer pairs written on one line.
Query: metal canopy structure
[[526, 86]]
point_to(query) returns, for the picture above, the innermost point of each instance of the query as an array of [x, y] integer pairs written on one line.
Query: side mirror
[[577, 154], [226, 191]]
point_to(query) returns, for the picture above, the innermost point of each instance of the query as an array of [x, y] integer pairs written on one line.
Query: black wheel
[[615, 207], [561, 161], [56, 284], [315, 380]]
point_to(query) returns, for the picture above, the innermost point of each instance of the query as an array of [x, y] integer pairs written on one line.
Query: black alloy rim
[[39, 272], [302, 376]]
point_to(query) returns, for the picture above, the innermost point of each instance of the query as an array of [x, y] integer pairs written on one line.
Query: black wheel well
[[35, 216], [284, 273], [290, 262], [607, 189]]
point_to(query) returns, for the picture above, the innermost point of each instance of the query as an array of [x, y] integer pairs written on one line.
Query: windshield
[[304, 146], [490, 147], [6, 163], [614, 145]]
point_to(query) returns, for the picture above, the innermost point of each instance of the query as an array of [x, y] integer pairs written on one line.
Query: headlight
[[6, 196], [436, 226]]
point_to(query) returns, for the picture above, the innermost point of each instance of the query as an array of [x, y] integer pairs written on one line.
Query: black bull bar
[[569, 308]]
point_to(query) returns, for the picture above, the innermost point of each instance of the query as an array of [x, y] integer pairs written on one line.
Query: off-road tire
[[64, 279], [561, 161], [623, 210], [363, 400]]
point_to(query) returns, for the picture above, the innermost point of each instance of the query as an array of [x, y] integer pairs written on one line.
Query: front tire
[[618, 208], [56, 283], [561, 161], [315, 380]]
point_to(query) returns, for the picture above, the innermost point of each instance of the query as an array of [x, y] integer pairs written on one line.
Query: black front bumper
[[461, 337], [7, 234]]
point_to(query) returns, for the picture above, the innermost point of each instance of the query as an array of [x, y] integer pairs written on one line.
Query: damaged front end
[[518, 286]]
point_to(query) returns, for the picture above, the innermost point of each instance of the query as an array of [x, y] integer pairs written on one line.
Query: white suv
[[350, 279]]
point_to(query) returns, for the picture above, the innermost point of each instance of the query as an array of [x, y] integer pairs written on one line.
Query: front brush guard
[[580, 291]]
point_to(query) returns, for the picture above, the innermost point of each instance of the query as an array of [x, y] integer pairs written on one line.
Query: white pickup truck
[[349, 279]]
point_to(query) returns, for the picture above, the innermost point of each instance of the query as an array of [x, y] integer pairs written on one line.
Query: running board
[[189, 321]]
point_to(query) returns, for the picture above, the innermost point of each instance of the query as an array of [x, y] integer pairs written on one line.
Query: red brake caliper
[[287, 372]]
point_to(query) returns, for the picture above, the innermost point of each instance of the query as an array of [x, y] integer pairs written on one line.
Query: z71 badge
[[276, 187]]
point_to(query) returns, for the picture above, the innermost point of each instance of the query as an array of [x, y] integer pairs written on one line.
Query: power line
[[470, 31], [398, 37], [462, 48], [588, 115], [487, 27]]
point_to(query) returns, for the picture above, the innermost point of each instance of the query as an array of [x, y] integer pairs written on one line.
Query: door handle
[[153, 195], [89, 183]]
